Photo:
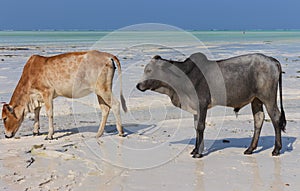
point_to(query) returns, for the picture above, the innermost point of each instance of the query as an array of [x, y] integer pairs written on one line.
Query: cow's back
[[249, 76], [72, 74]]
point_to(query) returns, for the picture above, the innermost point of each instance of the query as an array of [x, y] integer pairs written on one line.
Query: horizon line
[[109, 30]]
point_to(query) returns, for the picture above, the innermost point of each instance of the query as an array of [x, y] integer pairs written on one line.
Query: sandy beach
[[155, 153]]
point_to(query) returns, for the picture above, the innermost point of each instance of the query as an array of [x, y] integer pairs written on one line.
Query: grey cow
[[197, 84]]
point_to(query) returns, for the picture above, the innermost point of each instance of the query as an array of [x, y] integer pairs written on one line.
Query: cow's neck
[[20, 98], [171, 93], [180, 65]]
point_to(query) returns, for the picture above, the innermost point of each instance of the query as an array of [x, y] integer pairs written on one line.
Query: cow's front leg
[[36, 125], [199, 145]]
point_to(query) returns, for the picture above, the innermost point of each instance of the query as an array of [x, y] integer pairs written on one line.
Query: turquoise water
[[241, 36], [81, 37], [41, 37]]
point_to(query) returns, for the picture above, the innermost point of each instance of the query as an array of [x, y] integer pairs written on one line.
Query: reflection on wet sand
[[199, 176], [277, 184], [262, 179], [257, 180]]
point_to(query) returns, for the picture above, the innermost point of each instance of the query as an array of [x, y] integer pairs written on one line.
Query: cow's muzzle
[[139, 86], [8, 137]]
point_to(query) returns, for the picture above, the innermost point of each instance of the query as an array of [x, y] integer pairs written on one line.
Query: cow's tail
[[282, 120], [114, 59]]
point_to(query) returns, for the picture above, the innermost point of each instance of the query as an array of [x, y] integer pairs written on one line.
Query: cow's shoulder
[[34, 58], [33, 62]]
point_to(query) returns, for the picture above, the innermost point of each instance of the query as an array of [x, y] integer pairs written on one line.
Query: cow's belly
[[73, 92], [239, 92], [81, 93], [239, 100]]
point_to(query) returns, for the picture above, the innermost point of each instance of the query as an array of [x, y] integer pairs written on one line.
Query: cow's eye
[[4, 119]]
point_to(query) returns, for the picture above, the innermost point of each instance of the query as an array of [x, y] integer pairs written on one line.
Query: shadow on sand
[[265, 142], [109, 130]]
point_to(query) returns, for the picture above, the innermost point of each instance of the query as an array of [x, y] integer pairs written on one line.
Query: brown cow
[[72, 75]]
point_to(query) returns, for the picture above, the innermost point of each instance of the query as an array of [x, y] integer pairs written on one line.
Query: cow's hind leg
[[274, 114], [48, 99], [36, 125], [104, 112], [259, 116], [116, 110]]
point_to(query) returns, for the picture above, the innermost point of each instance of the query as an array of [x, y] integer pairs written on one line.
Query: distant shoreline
[[111, 30]]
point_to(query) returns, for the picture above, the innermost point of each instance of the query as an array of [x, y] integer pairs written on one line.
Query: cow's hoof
[[197, 155], [122, 135], [36, 134], [248, 152], [275, 153], [194, 151], [49, 138], [99, 134]]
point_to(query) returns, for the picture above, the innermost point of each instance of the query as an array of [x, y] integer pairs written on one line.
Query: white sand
[[155, 153]]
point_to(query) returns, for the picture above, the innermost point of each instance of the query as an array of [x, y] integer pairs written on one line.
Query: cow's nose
[[138, 86], [8, 137]]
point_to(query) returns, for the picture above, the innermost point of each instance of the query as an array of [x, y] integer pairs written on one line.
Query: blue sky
[[114, 14]]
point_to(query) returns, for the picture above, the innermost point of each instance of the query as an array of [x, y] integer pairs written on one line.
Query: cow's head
[[155, 75], [11, 119]]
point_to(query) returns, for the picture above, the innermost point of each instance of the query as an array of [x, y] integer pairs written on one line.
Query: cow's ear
[[156, 57], [8, 108]]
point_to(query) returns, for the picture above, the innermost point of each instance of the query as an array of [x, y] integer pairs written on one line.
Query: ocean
[[41, 37], [54, 42]]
